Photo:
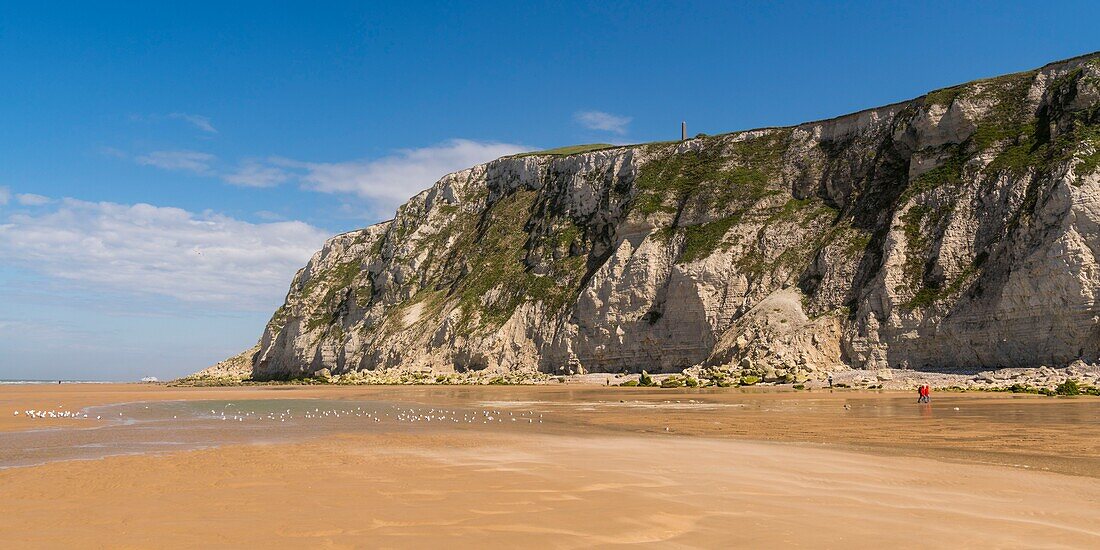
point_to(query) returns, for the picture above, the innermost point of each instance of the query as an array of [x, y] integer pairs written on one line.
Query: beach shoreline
[[611, 465], [1039, 432]]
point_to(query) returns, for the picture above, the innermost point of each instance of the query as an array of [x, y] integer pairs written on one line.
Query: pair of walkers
[[924, 393]]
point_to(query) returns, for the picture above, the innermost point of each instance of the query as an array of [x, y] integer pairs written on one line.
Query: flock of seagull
[[412, 415], [404, 415], [53, 413]]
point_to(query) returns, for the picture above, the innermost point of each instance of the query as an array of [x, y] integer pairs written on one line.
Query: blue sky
[[166, 167]]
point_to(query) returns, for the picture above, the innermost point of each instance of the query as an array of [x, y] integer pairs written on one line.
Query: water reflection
[[139, 428]]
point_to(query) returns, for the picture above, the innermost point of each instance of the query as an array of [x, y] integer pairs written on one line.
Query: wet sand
[[610, 466]]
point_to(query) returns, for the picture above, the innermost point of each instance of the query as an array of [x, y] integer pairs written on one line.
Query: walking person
[[922, 393]]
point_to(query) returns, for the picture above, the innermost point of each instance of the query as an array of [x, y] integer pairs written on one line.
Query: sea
[[5, 382]]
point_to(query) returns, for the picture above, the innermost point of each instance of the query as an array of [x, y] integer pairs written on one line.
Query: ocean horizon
[[17, 381]]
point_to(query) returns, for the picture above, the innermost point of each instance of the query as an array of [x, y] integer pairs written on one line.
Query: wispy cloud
[[31, 199], [38, 331], [599, 120], [5, 195], [144, 249], [389, 180], [383, 182], [198, 121], [114, 152], [252, 173], [269, 215], [190, 161]]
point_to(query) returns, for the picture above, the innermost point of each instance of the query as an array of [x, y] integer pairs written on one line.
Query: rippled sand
[[606, 467]]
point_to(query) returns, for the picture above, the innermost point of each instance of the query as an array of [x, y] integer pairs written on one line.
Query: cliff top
[[939, 95]]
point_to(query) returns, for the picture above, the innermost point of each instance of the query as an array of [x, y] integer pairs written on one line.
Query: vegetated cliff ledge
[[957, 230]]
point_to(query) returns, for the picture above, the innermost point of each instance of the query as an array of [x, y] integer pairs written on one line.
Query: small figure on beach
[[923, 393], [830, 379]]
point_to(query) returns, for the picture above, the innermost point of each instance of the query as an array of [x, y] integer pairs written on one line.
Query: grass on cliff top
[[730, 182], [1021, 145], [737, 176], [569, 150]]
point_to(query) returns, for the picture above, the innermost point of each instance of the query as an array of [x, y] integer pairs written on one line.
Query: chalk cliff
[[958, 229]]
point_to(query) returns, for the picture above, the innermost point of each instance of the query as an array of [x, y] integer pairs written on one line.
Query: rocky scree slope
[[957, 230]]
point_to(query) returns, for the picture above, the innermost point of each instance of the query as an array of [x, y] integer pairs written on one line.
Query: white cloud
[[269, 215], [145, 249], [38, 331], [31, 199], [254, 174], [390, 180], [5, 196], [191, 161], [114, 153], [383, 183], [599, 120], [198, 121]]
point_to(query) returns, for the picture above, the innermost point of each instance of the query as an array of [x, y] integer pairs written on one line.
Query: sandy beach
[[549, 275], [605, 467]]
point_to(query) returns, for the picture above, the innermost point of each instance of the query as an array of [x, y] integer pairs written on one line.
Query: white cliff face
[[960, 229], [237, 367]]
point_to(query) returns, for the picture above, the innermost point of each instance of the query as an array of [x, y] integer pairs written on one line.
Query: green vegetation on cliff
[[724, 173], [496, 277], [570, 150], [924, 196], [1018, 139], [337, 281]]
